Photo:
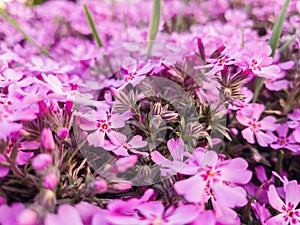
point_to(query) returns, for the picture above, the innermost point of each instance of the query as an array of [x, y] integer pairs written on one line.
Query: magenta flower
[[134, 73], [256, 57], [262, 213], [150, 213], [123, 147], [218, 176], [66, 215], [249, 117], [288, 212], [104, 124], [176, 148], [295, 123], [282, 140]]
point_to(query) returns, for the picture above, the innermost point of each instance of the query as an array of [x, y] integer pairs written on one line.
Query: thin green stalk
[[92, 25], [154, 24], [26, 36]]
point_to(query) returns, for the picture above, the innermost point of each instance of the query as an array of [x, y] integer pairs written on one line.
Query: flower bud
[[50, 180], [41, 161], [43, 108], [100, 185], [63, 133], [47, 139], [27, 217], [122, 185]]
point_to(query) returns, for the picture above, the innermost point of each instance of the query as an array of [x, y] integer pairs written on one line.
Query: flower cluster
[[100, 125]]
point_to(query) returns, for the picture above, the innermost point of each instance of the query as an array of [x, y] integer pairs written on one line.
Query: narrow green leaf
[[287, 44], [92, 25], [273, 42], [277, 29], [26, 36], [154, 24]]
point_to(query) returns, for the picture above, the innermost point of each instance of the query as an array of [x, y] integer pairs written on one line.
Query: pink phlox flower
[[177, 164], [104, 124], [134, 72], [249, 117], [209, 172], [262, 213], [256, 57], [149, 213], [122, 148], [294, 123], [282, 140], [288, 214], [226, 58], [23, 155]]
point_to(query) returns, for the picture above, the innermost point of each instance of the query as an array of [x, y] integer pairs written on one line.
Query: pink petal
[[248, 134], [184, 214], [235, 171], [210, 158], [292, 193], [296, 134], [229, 196], [274, 199], [263, 139], [96, 139], [192, 188], [176, 148], [116, 138], [152, 209], [137, 142], [268, 123]]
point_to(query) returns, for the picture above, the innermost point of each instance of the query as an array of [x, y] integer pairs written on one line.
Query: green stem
[[92, 25]]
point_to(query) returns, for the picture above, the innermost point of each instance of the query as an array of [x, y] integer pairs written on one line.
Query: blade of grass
[[92, 25], [154, 24], [26, 36], [273, 42]]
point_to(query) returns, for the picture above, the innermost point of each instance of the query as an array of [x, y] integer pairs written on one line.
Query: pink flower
[[134, 73], [66, 215], [123, 147], [218, 176], [256, 57], [176, 148], [150, 213], [262, 213], [104, 124], [288, 212], [295, 123], [282, 140], [249, 117]]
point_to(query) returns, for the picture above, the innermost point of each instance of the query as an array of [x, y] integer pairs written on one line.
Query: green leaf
[[273, 42], [92, 25], [154, 24], [277, 29], [26, 36]]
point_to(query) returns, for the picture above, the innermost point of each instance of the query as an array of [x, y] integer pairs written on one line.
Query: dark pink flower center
[[103, 126]]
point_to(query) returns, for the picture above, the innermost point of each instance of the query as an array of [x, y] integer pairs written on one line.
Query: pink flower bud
[[63, 133], [41, 161], [50, 180], [43, 108], [100, 185], [124, 163], [27, 217], [122, 185], [47, 139]]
